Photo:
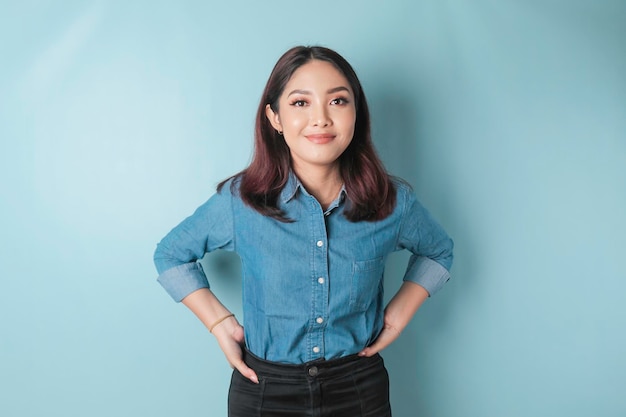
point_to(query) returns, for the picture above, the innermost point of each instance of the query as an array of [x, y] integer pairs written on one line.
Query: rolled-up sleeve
[[430, 245], [427, 273], [177, 254], [180, 281]]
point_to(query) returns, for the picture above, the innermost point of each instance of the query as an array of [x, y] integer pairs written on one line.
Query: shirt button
[[316, 349], [320, 243], [320, 280], [319, 320]]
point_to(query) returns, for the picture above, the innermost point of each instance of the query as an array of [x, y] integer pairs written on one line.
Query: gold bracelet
[[211, 327]]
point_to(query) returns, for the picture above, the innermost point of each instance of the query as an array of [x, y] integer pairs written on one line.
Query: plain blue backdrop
[[118, 118]]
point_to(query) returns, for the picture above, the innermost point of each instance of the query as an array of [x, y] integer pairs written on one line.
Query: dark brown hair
[[370, 192]]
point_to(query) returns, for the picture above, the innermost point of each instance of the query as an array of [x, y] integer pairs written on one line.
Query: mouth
[[320, 138]]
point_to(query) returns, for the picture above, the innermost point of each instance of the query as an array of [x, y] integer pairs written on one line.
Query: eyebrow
[[331, 91]]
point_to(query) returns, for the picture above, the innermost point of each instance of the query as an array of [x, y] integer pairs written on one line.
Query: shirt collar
[[293, 184], [291, 188]]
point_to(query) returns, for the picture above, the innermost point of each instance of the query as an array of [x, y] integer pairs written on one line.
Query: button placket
[[320, 290]]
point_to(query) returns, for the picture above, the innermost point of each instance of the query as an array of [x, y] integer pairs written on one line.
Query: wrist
[[228, 328], [392, 327], [219, 321]]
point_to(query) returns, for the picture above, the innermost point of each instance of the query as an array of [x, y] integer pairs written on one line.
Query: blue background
[[118, 118]]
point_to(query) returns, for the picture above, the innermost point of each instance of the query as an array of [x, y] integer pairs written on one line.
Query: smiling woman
[[363, 175], [317, 118], [313, 218]]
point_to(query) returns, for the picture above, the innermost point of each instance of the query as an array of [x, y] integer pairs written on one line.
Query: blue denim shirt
[[312, 288]]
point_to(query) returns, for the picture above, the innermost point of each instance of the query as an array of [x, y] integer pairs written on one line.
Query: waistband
[[319, 368]]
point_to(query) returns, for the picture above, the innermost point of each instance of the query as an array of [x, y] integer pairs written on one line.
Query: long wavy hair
[[370, 192]]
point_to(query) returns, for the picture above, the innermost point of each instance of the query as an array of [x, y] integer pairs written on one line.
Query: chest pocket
[[366, 283]]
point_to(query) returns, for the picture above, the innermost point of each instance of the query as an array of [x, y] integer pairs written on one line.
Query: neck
[[324, 183]]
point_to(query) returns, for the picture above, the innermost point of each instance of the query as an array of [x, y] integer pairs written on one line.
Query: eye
[[298, 103], [339, 101]]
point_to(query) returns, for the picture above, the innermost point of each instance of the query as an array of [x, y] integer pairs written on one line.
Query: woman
[[313, 219]]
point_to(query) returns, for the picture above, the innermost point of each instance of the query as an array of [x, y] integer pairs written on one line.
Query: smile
[[320, 138]]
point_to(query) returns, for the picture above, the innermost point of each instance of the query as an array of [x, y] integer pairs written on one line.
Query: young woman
[[313, 218]]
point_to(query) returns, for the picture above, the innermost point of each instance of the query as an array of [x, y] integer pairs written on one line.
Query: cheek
[[293, 121], [350, 126], [349, 120]]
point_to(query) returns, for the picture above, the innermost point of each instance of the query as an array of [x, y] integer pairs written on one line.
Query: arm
[[209, 228], [427, 272], [229, 333], [398, 314]]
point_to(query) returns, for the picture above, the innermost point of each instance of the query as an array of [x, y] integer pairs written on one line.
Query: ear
[[273, 118]]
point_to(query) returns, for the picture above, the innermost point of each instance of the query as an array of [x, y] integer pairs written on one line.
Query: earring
[[280, 132]]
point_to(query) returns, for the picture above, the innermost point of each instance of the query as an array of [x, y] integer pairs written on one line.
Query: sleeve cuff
[[427, 273], [182, 280]]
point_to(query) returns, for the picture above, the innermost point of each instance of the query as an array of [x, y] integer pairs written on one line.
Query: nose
[[319, 116]]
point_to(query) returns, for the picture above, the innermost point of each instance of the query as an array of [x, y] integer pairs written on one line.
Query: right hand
[[230, 337]]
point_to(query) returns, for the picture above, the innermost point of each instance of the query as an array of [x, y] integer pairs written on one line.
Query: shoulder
[[401, 184], [222, 199], [404, 190], [407, 202], [230, 187]]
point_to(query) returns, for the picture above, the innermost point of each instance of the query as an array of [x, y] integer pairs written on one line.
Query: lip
[[320, 138]]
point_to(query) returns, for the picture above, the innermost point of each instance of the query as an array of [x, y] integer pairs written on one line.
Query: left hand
[[398, 313], [384, 339]]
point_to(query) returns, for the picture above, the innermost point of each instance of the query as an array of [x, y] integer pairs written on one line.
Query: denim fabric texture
[[312, 288]]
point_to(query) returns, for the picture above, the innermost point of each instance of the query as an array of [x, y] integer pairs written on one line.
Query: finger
[[367, 352], [386, 337], [247, 372], [371, 350]]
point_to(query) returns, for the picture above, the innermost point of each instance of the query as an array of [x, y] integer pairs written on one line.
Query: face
[[317, 114]]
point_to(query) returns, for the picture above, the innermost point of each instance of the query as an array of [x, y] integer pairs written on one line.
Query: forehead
[[317, 74]]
